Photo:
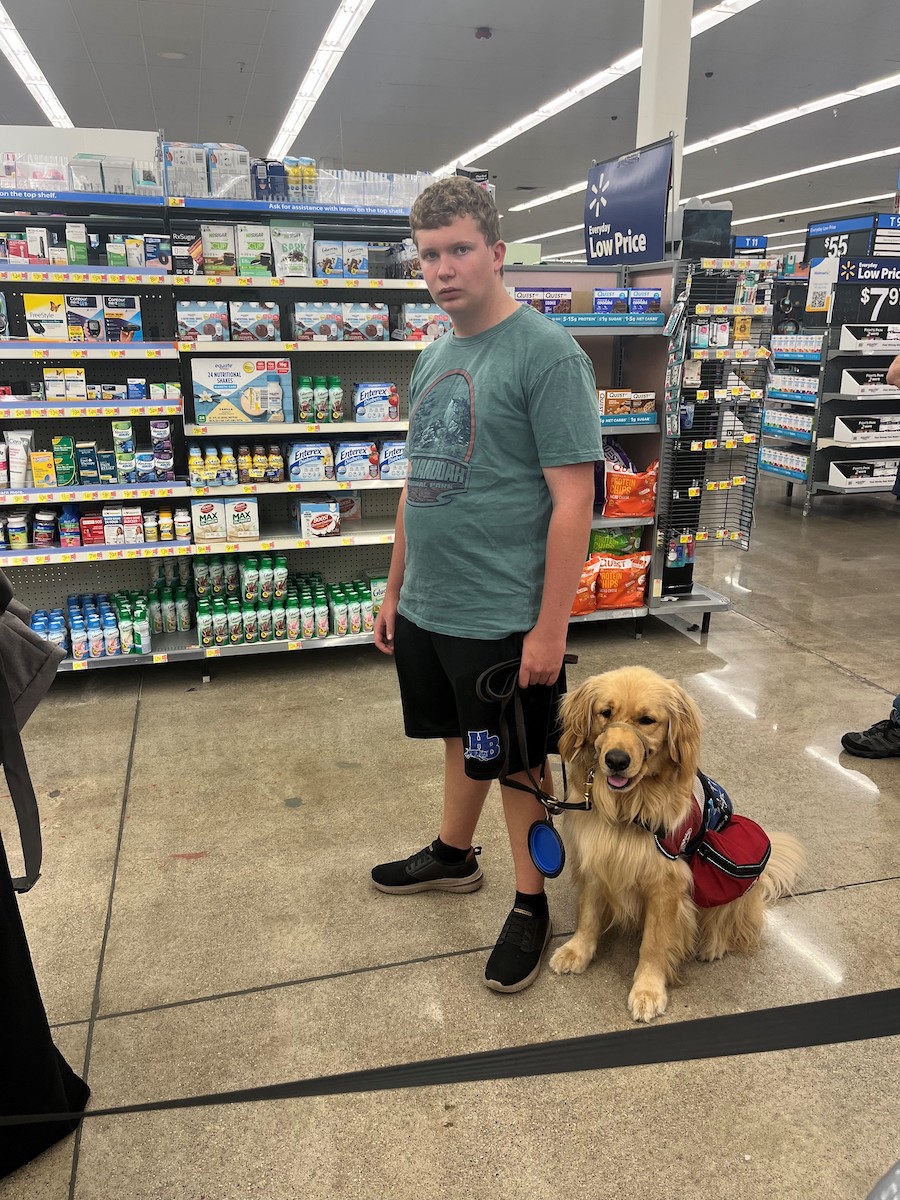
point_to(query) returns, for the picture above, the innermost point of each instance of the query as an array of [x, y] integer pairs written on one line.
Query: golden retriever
[[640, 735]]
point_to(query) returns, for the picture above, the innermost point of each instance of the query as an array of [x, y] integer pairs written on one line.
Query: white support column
[[662, 105]]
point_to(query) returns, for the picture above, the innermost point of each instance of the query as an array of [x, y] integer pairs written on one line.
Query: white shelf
[[166, 648], [245, 428], [626, 427], [700, 600], [619, 522], [610, 614], [56, 409], [30, 557], [316, 485], [851, 489], [87, 494], [255, 349], [825, 443], [354, 533], [107, 351]]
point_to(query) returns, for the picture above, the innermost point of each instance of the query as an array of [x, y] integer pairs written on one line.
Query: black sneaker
[[881, 740], [425, 872], [516, 959]]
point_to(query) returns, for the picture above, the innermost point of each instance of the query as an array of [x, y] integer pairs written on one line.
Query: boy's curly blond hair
[[452, 197]]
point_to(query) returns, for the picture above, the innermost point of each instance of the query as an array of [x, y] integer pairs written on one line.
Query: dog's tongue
[[617, 781]]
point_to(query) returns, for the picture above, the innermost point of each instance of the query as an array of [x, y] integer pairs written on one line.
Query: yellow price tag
[[176, 202], [738, 480], [696, 445], [213, 280], [702, 535], [720, 535], [710, 444], [693, 493], [155, 352], [345, 541], [79, 665], [295, 645], [131, 554], [721, 353], [685, 539], [160, 658], [749, 439], [116, 278], [67, 558], [375, 283], [277, 282], [352, 283], [724, 485], [320, 283], [734, 537], [243, 281], [385, 538], [117, 354], [304, 544], [17, 276], [344, 487], [94, 555], [704, 395], [270, 545], [131, 279], [214, 652], [40, 354]]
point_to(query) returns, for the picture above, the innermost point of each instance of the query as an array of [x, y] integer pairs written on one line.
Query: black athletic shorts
[[437, 688]]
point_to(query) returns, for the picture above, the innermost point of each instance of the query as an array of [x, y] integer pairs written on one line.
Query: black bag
[[34, 1076]]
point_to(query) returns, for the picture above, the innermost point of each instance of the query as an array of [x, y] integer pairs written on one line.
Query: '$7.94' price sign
[[880, 304]]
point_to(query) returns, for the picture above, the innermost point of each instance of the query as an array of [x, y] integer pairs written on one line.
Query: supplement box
[[375, 402], [349, 504], [292, 248], [208, 520], [356, 260], [87, 463], [254, 250], [329, 260], [318, 519], [878, 473], [158, 252], [241, 519], [534, 297], [256, 390], [45, 316], [366, 322], [645, 300], [309, 462], [113, 529], [202, 320], [187, 251], [863, 382], [42, 469], [84, 319], [64, 461], [122, 315], [76, 244], [610, 300], [392, 461], [424, 322], [106, 462], [318, 322], [54, 383], [92, 529], [355, 460], [136, 389], [132, 524], [76, 384], [254, 321], [219, 251]]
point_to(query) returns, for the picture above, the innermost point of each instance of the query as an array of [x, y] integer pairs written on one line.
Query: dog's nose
[[617, 760]]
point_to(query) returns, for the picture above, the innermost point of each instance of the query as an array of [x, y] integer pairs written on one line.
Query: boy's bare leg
[[463, 798]]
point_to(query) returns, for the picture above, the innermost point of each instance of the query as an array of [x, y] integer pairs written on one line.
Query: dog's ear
[[577, 715], [685, 727]]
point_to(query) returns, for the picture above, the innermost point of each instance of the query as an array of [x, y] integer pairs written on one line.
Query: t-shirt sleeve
[[565, 414]]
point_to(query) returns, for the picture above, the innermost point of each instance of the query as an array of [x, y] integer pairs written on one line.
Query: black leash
[[795, 1026]]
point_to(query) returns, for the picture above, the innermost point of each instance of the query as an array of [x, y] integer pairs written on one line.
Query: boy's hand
[[542, 657], [384, 626]]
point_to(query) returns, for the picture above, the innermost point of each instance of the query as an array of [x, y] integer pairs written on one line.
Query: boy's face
[[460, 268]]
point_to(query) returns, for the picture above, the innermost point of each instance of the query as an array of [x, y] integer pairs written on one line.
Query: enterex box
[[256, 390]]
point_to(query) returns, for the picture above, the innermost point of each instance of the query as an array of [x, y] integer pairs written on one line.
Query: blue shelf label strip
[[802, 356], [794, 397], [286, 206], [614, 420], [797, 476], [84, 198], [795, 435], [597, 320]]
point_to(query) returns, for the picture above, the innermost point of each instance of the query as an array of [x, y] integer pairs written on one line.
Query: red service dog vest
[[727, 853]]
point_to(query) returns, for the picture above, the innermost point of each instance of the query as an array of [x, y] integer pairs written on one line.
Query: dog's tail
[[785, 866]]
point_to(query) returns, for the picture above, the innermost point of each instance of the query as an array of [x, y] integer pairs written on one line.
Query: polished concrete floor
[[205, 920]]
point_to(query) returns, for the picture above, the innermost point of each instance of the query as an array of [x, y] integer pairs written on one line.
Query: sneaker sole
[[471, 883], [529, 979], [870, 753]]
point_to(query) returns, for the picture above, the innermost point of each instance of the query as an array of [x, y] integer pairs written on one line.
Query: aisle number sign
[[625, 206]]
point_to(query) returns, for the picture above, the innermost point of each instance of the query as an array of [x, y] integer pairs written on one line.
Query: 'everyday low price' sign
[[625, 207]]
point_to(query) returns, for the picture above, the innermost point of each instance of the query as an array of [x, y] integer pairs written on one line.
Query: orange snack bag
[[585, 597], [621, 580], [631, 493]]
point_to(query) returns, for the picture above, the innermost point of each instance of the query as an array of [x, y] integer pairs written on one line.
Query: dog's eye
[[606, 713], [646, 720]]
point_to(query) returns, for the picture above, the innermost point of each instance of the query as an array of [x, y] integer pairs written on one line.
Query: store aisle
[[245, 945]]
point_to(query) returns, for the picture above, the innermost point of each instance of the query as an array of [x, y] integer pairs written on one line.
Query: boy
[[492, 530]]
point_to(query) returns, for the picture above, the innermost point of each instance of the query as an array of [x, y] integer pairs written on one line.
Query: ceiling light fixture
[[891, 151], [338, 36], [539, 237], [730, 135], [564, 254], [795, 212], [171, 54], [588, 87], [25, 66]]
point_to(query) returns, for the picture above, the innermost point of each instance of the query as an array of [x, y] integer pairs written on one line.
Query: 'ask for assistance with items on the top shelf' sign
[[625, 207]]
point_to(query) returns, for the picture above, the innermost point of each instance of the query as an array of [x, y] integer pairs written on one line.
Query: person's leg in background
[[881, 740]]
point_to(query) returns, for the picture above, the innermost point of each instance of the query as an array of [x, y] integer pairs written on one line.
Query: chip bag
[[621, 581], [585, 597], [631, 493], [625, 539]]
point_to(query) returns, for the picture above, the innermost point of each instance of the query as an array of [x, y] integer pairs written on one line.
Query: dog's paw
[[646, 1002], [569, 960]]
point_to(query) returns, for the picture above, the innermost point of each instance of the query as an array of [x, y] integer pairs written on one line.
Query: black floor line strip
[[95, 1002], [840, 1020], [369, 970]]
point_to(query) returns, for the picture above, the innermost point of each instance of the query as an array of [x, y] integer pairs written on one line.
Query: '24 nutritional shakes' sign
[[625, 207]]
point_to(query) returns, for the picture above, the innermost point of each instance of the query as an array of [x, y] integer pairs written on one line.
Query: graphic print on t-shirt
[[441, 439]]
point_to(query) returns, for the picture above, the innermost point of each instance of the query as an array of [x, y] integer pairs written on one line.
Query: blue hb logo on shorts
[[482, 745]]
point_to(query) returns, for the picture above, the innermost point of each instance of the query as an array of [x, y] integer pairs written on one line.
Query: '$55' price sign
[[880, 304]]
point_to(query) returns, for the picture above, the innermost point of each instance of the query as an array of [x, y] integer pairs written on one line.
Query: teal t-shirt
[[487, 414]]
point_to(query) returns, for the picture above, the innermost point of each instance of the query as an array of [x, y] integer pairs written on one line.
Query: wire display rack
[[720, 338]]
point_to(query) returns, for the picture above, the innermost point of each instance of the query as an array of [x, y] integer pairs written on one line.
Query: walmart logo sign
[[625, 207]]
